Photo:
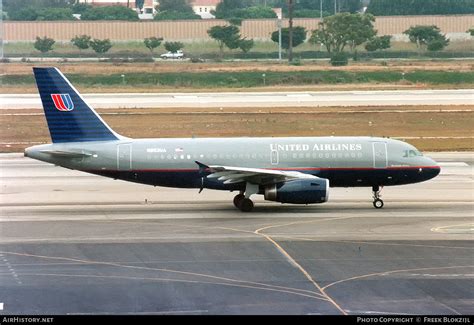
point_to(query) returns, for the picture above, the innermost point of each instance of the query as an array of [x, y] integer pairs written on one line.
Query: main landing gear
[[242, 201], [378, 203]]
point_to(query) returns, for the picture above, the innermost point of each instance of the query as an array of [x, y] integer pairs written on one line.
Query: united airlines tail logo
[[63, 102]]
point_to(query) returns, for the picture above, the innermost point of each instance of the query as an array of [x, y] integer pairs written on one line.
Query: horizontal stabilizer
[[68, 154]]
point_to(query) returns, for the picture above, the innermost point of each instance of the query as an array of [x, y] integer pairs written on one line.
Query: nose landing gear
[[378, 203]]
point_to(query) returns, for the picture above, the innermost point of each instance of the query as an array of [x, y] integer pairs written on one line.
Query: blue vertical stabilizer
[[69, 117]]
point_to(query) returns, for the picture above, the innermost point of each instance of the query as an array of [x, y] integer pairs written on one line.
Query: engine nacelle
[[300, 191]]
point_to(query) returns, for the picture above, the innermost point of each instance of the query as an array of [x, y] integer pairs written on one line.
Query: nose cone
[[431, 169]]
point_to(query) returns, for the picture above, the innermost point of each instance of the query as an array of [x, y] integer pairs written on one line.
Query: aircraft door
[[124, 156], [274, 157], [380, 154]]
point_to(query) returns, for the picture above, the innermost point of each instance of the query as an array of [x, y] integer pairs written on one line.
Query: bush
[[55, 14], [296, 62], [378, 43], [246, 44], [309, 13], [173, 47], [299, 36], [25, 14], [420, 7], [437, 44], [421, 35], [152, 43], [175, 15], [246, 13], [44, 44], [82, 42], [100, 46], [109, 13], [339, 59], [80, 8]]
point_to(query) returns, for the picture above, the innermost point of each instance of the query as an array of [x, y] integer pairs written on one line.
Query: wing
[[232, 175]]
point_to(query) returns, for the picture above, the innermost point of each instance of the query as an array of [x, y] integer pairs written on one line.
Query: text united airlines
[[317, 147]]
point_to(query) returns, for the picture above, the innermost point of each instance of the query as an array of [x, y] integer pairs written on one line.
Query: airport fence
[[258, 29]]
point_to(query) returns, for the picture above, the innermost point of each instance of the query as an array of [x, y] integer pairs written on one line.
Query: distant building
[[147, 12], [203, 8]]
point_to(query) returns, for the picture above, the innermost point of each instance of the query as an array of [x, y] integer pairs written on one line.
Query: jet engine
[[299, 191]]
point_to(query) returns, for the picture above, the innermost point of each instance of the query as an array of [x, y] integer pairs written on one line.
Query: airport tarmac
[[74, 243], [260, 99]]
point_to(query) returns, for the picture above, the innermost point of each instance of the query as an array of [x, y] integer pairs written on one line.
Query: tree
[[471, 31], [175, 5], [173, 47], [344, 29], [139, 4], [152, 43], [228, 36], [253, 12], [82, 42], [55, 14], [420, 7], [79, 8], [378, 43], [352, 6], [175, 10], [100, 46], [175, 15], [299, 36], [246, 44], [226, 8], [24, 14], [309, 13], [44, 44], [437, 44], [109, 13], [422, 36], [339, 59]]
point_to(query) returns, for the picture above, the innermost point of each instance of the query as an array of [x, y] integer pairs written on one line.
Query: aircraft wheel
[[378, 204], [238, 199], [246, 205]]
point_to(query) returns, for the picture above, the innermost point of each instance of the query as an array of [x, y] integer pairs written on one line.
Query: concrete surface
[[73, 243], [260, 99]]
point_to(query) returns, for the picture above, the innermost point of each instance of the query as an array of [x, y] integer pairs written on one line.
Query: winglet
[[202, 167], [202, 170]]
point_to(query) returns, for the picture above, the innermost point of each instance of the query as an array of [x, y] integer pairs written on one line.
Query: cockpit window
[[411, 153]]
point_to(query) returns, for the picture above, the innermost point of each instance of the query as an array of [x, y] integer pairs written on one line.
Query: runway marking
[[377, 242], [295, 263], [427, 275], [170, 312], [171, 280], [11, 270], [295, 290], [129, 221], [372, 312], [394, 271], [446, 229]]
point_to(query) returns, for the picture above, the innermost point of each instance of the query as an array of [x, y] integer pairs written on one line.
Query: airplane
[[297, 170]]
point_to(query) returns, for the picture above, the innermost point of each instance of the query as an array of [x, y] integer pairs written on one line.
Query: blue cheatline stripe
[[79, 122]]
